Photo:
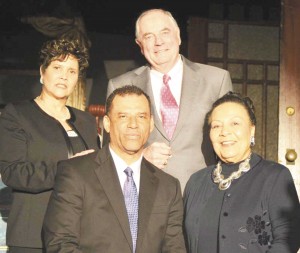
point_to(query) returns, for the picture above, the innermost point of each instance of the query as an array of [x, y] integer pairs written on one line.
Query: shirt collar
[[122, 165], [176, 69]]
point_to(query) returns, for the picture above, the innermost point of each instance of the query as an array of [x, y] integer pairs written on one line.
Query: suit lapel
[[190, 82], [147, 195], [143, 81], [108, 177]]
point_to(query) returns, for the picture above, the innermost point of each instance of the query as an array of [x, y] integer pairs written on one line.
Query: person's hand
[[158, 153], [85, 152]]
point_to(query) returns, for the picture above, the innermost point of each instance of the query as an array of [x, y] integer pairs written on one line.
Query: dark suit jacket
[[201, 86], [87, 212], [31, 143]]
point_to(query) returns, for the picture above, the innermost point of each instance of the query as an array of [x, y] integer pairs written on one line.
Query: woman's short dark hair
[[59, 49], [235, 97]]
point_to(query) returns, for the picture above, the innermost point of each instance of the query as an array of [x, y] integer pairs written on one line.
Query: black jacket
[[258, 213], [31, 144]]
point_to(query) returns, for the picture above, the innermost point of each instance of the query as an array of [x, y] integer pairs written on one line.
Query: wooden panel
[[197, 39], [254, 75], [289, 126]]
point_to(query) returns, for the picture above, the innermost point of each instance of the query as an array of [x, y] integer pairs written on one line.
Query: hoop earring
[[252, 141]]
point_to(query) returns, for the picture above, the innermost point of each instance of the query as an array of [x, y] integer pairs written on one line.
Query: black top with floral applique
[[258, 213]]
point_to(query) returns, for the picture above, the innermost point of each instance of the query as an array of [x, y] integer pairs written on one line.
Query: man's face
[[129, 124], [159, 40]]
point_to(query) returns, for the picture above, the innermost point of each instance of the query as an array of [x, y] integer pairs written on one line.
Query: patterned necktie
[[132, 204], [169, 108]]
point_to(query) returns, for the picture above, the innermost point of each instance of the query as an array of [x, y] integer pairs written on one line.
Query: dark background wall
[[110, 28], [19, 77], [19, 69]]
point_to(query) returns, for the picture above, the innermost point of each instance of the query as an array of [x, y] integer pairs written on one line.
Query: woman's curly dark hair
[[59, 49], [235, 97]]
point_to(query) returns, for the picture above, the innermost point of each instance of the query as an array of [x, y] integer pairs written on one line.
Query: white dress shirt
[[121, 165]]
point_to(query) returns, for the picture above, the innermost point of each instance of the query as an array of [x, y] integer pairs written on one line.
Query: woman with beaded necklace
[[244, 203]]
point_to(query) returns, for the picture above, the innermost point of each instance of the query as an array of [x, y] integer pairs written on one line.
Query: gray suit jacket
[[201, 86], [87, 212]]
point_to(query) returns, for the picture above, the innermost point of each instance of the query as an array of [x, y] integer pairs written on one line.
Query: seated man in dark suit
[[114, 200]]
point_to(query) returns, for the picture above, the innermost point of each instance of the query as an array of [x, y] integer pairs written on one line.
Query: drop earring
[[252, 141]]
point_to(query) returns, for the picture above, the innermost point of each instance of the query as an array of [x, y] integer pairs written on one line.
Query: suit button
[[227, 196], [225, 214], [223, 237]]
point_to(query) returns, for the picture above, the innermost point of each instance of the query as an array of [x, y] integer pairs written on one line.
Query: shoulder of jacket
[[159, 172], [201, 66], [19, 108], [20, 104], [202, 172], [131, 73], [271, 169], [81, 113]]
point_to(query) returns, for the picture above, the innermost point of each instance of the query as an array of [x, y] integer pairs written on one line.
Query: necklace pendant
[[224, 185]]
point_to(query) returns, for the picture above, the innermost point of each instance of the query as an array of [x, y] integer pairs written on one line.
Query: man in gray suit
[[88, 209], [194, 87]]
